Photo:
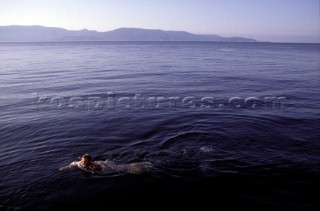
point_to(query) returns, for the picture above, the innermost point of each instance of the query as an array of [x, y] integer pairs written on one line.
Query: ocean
[[232, 125]]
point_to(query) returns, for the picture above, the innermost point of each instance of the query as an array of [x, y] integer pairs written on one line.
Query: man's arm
[[71, 165]]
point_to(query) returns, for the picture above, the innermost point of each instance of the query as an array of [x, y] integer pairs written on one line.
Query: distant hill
[[42, 33]]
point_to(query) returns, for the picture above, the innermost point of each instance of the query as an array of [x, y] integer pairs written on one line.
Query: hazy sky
[[272, 20]]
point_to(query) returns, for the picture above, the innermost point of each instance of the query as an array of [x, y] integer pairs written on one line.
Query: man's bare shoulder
[[96, 166]]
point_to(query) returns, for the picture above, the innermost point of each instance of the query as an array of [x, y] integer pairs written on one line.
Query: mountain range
[[45, 34]]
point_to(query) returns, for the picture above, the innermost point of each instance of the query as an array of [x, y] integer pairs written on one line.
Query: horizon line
[[155, 29]]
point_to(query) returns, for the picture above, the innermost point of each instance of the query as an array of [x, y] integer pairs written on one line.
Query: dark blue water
[[224, 124]]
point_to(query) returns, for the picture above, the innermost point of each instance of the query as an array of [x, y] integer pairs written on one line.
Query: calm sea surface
[[224, 124]]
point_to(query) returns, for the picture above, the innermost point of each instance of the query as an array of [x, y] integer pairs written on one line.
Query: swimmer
[[88, 165], [85, 164]]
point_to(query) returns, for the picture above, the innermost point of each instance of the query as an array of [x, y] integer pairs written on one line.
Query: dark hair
[[87, 156]]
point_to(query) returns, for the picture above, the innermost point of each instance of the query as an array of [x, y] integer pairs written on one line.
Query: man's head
[[86, 159]]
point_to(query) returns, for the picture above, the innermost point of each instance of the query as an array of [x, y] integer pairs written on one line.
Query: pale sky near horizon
[[265, 20]]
